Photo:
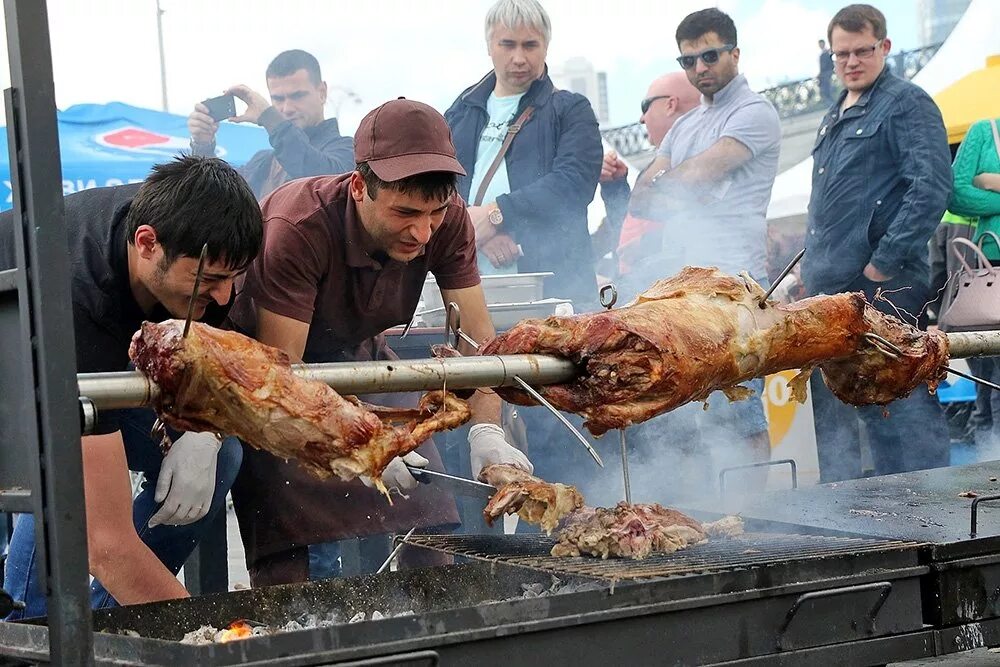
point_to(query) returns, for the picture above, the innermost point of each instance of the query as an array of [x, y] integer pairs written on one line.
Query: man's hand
[[256, 103], [187, 480], [987, 181], [480, 217], [612, 168], [874, 275], [501, 251], [487, 445], [396, 475], [202, 126]]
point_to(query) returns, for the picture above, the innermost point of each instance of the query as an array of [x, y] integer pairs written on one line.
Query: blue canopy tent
[[115, 143]]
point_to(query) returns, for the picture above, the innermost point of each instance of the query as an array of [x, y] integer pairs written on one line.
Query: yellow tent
[[971, 98]]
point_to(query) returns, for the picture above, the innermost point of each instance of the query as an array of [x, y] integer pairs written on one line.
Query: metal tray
[[504, 315], [504, 288]]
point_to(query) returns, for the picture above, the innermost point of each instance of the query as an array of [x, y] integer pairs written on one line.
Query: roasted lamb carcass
[[692, 334], [627, 531], [533, 499], [216, 380]]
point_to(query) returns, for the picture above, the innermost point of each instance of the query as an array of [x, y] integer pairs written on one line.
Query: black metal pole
[[46, 316]]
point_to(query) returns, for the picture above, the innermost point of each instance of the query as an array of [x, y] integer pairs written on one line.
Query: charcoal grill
[[800, 597]]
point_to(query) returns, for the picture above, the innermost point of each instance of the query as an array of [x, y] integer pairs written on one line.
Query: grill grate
[[745, 551]]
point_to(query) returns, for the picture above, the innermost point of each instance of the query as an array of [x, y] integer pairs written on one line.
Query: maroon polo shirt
[[313, 268]]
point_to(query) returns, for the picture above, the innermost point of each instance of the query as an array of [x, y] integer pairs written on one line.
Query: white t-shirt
[[503, 112]]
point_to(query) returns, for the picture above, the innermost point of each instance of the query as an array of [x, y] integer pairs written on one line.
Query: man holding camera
[[304, 142]]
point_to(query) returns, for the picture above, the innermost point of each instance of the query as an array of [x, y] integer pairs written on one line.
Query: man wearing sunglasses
[[669, 97], [880, 183], [710, 185]]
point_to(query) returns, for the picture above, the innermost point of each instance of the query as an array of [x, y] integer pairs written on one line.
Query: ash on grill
[[208, 634]]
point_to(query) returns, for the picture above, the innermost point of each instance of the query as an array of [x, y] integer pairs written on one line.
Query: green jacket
[[978, 155]]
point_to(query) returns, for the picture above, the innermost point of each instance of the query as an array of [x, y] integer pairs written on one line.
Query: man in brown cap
[[345, 258]]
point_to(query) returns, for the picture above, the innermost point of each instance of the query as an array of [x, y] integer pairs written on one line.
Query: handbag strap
[[512, 130], [984, 263], [996, 136]]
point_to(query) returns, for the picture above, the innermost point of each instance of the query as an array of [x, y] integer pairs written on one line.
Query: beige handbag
[[975, 302]]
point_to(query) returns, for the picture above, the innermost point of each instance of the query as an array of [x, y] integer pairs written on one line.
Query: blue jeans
[[914, 435], [171, 544]]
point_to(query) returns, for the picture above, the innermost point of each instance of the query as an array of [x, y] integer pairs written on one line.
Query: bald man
[[669, 97]]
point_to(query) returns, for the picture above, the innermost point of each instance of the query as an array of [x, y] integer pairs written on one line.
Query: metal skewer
[[781, 276], [395, 551], [461, 335], [889, 349], [194, 292], [609, 297]]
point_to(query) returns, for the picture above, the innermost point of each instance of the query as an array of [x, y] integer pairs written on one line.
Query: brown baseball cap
[[403, 138]]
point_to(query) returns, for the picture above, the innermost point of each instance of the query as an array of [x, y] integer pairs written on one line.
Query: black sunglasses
[[708, 56], [648, 102]]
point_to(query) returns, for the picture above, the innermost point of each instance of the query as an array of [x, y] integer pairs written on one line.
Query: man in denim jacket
[[881, 182]]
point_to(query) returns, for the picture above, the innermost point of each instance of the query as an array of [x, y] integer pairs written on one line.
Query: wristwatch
[[495, 216]]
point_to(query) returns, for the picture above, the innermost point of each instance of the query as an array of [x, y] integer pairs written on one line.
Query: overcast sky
[[106, 50]]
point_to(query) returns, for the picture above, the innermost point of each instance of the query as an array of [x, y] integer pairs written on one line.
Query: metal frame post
[[45, 339]]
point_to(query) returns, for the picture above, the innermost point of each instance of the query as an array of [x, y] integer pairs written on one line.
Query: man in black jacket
[[134, 253], [305, 144], [530, 213]]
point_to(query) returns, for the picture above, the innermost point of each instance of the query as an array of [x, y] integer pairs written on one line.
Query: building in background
[[579, 76], [937, 18]]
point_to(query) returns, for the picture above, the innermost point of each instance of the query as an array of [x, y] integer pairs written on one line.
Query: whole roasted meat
[[533, 499], [702, 331], [216, 380]]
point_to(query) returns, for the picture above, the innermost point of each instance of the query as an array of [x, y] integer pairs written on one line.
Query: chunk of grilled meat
[[872, 377], [216, 380], [627, 531], [533, 499], [702, 331]]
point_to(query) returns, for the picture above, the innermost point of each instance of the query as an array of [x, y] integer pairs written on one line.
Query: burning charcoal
[[532, 590], [377, 616], [292, 626], [203, 635], [358, 617]]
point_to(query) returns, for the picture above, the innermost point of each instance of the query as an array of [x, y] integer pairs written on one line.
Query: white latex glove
[[396, 475], [187, 480], [487, 445]]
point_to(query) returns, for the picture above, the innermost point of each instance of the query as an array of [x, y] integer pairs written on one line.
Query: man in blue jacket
[[530, 212], [304, 143], [880, 184]]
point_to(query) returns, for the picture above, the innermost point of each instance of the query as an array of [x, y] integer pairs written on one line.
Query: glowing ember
[[236, 630]]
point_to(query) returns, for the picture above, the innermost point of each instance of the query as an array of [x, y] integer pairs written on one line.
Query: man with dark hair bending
[[345, 258], [134, 251], [304, 142]]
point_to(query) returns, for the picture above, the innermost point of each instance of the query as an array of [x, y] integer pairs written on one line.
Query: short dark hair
[[855, 18], [432, 184], [193, 200], [288, 63], [705, 21]]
